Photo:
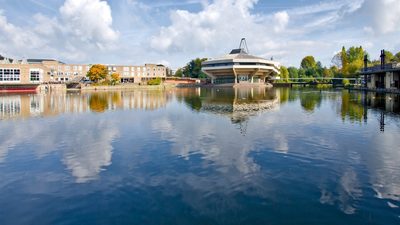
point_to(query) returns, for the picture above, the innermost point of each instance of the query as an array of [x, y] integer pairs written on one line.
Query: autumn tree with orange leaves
[[97, 73]]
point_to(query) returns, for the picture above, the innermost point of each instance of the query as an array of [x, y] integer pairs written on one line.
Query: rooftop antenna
[[243, 43]]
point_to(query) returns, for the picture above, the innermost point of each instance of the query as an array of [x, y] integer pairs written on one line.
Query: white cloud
[[281, 20], [81, 29], [384, 14], [218, 22], [90, 20]]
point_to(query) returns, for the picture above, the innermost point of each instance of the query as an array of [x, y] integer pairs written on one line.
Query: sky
[[172, 32]]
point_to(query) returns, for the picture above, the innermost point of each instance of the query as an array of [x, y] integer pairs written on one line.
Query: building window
[[67, 68], [126, 69], [75, 68], [10, 74], [35, 75]]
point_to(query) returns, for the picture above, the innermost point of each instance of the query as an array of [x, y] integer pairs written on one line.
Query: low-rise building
[[385, 77], [240, 68], [37, 71]]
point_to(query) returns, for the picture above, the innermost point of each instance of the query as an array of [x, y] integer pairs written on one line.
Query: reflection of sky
[[289, 158], [85, 143]]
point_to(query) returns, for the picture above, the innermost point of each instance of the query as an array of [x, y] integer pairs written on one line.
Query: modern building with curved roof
[[241, 68]]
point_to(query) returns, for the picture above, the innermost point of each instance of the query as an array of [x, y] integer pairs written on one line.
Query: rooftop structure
[[239, 67]]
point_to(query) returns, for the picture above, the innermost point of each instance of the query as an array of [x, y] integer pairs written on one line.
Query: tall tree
[[293, 72], [193, 69], [308, 62], [397, 57], [97, 72], [178, 72], [344, 61], [389, 56], [284, 74]]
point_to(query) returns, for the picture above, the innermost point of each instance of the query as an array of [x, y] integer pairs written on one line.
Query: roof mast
[[243, 43]]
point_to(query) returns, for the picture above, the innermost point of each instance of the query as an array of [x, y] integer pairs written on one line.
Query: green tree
[[397, 57], [293, 73], [97, 73], [178, 73], [327, 73], [389, 56], [284, 74], [308, 62], [335, 71], [350, 61], [193, 69], [344, 61], [302, 73], [115, 78]]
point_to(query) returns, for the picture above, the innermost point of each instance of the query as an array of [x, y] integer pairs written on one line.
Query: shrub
[[156, 81], [345, 82]]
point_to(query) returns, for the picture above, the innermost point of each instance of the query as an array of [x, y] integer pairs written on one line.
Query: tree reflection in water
[[98, 102]]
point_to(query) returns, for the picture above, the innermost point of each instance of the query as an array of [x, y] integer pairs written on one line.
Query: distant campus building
[[36, 71], [238, 67], [384, 77]]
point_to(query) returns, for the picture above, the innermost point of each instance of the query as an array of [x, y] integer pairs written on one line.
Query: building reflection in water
[[239, 104], [355, 106], [32, 105]]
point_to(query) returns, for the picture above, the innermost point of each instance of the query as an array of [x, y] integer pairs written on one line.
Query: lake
[[200, 156]]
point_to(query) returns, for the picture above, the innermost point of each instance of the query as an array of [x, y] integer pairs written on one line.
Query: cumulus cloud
[[79, 29], [219, 21], [281, 19], [384, 15], [90, 20]]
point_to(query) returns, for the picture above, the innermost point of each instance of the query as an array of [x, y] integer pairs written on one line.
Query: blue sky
[[173, 32]]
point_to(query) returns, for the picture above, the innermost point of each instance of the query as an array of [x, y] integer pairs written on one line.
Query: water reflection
[[32, 105], [320, 152], [238, 104]]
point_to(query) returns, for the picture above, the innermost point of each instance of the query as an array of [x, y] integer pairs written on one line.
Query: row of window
[[10, 74], [69, 73]]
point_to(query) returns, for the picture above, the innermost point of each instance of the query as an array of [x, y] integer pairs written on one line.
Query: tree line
[[346, 63]]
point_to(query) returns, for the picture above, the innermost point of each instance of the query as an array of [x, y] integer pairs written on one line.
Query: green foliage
[[397, 57], [97, 73], [178, 73], [155, 81], [193, 69], [389, 56], [350, 61], [284, 74], [308, 62], [345, 82], [310, 100], [293, 73], [115, 78]]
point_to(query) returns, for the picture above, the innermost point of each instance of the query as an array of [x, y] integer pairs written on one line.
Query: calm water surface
[[200, 156]]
